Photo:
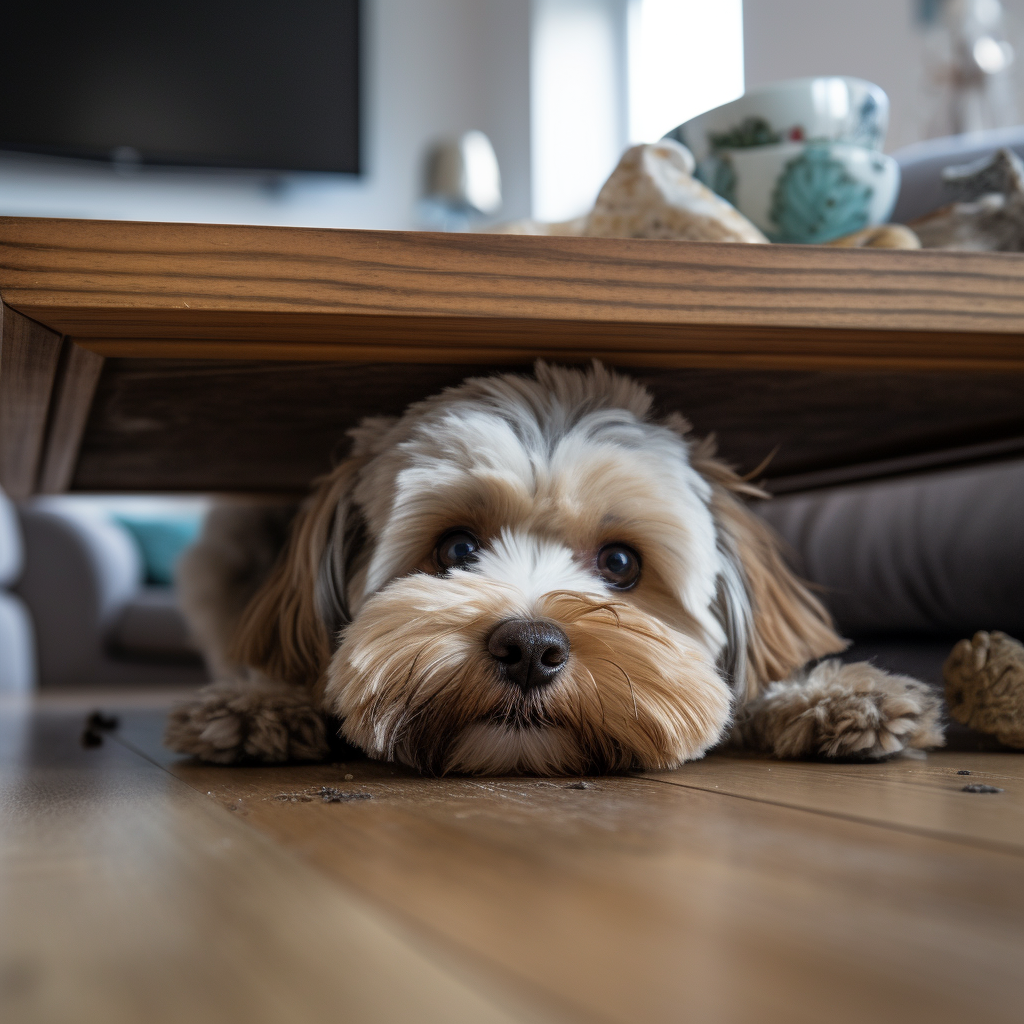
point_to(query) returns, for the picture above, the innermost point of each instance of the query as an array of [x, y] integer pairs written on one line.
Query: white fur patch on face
[[534, 567]]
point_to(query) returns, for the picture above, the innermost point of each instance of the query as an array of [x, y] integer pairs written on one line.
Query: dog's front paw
[[231, 722], [844, 711]]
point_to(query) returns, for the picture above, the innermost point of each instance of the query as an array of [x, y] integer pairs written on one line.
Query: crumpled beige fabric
[[652, 194], [985, 685]]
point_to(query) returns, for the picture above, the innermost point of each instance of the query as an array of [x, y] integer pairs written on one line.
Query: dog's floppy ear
[[773, 623], [287, 629]]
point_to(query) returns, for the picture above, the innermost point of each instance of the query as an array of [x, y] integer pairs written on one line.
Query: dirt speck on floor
[[327, 794], [100, 721], [330, 795]]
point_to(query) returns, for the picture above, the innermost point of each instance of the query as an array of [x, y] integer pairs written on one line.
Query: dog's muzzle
[[531, 652]]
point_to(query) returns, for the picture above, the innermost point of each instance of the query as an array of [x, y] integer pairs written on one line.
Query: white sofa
[[17, 642], [96, 622]]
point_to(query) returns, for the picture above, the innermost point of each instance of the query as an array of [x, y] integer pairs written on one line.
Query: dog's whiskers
[[597, 691], [629, 683]]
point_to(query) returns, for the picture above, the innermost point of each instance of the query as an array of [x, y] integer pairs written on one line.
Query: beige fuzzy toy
[[985, 685]]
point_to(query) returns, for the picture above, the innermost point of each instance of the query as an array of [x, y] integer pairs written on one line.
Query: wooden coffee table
[[179, 357]]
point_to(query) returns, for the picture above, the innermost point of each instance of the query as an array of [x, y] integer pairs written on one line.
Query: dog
[[525, 575]]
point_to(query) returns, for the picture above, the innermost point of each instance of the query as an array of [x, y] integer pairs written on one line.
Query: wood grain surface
[[924, 796], [29, 355], [251, 426], [78, 373], [126, 896], [131, 289], [631, 899]]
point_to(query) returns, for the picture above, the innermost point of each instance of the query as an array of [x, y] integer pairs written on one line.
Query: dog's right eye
[[457, 547], [619, 565]]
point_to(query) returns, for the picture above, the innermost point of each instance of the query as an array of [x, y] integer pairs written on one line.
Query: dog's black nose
[[532, 651]]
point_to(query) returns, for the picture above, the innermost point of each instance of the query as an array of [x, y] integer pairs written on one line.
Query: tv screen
[[216, 83]]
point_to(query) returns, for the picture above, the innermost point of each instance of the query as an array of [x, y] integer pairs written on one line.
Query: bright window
[[578, 109], [685, 57], [605, 73]]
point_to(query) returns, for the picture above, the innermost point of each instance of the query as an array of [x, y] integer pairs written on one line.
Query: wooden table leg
[[46, 389], [29, 355], [77, 377]]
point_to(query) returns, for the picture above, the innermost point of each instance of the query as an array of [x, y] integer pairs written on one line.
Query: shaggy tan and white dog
[[525, 574]]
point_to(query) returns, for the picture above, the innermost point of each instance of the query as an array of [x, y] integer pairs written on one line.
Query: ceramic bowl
[[836, 109], [805, 192]]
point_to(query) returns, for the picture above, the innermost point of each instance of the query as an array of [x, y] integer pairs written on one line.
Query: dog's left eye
[[457, 547], [619, 565]]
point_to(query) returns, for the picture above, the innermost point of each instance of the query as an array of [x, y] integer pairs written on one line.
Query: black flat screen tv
[[204, 83]]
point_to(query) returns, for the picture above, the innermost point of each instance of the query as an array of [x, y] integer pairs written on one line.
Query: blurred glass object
[[970, 67], [463, 183]]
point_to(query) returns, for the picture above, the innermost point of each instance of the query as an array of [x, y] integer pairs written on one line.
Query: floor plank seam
[[989, 845]]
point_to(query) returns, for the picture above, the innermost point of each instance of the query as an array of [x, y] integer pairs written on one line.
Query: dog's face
[[531, 577]]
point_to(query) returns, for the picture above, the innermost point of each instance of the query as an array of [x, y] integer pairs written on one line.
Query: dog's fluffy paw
[[231, 722], [845, 711]]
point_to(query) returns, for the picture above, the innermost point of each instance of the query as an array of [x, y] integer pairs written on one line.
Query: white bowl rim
[[795, 144], [763, 90]]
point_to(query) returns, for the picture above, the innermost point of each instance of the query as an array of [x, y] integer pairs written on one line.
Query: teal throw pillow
[[160, 541]]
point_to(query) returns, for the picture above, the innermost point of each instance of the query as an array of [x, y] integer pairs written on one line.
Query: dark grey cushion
[[942, 553]]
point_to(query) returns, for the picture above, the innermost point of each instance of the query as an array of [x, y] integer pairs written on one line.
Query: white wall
[[873, 39], [432, 68]]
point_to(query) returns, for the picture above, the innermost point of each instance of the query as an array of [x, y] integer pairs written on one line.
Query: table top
[[222, 291], [198, 357]]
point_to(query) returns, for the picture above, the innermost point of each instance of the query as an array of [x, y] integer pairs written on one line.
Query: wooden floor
[[138, 887]]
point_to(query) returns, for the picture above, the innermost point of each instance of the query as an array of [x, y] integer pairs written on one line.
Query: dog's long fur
[[356, 626]]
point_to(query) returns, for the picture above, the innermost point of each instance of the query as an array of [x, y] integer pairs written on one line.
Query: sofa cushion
[[10, 543], [150, 625], [79, 570], [17, 647], [942, 553]]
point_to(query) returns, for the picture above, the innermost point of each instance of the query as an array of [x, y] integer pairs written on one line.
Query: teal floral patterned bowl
[[805, 192]]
